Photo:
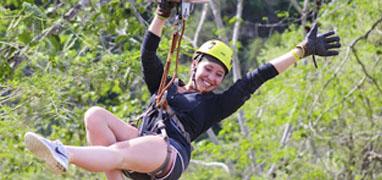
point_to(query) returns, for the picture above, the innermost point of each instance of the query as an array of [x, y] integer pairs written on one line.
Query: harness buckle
[[161, 100]]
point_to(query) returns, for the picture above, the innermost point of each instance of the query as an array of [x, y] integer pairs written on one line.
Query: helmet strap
[[193, 79], [196, 60]]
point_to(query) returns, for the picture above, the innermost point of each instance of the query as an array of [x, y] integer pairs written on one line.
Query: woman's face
[[208, 76]]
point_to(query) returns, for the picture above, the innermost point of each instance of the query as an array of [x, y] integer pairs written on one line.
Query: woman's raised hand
[[165, 7], [322, 44]]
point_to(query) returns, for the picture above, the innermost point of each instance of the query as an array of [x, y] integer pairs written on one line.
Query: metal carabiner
[[186, 9], [183, 10]]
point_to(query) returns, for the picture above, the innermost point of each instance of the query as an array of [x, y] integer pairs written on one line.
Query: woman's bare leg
[[143, 154], [104, 129]]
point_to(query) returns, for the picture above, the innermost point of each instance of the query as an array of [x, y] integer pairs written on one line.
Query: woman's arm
[[322, 45], [152, 66], [233, 98], [156, 26], [283, 62]]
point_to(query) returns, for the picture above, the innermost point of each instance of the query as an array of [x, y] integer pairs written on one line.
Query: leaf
[[55, 43], [232, 20], [25, 37]]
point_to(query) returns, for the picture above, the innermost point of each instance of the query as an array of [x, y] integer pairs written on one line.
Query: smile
[[207, 83]]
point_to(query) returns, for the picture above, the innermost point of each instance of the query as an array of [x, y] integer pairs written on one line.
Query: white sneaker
[[51, 152]]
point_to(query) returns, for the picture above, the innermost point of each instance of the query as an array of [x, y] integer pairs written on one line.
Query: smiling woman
[[208, 76], [191, 109]]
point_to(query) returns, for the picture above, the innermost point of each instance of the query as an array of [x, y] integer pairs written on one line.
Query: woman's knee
[[94, 117]]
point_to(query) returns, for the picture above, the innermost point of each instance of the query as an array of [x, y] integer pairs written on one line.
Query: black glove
[[322, 44], [165, 7]]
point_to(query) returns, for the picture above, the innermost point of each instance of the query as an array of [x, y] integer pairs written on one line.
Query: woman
[[116, 148]]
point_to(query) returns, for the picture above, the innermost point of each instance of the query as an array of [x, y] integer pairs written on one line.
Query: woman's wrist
[[297, 53], [161, 17], [156, 25]]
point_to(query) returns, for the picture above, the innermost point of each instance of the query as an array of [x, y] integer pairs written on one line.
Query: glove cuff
[[303, 47]]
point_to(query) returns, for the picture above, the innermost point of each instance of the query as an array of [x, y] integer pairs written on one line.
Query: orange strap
[[175, 46]]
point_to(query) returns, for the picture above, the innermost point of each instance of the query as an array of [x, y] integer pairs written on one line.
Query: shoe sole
[[37, 147]]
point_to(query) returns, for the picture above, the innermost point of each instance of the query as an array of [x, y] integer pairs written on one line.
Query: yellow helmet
[[218, 50]]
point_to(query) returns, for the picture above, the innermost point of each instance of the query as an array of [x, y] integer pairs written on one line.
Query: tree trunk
[[305, 12], [236, 69], [235, 37], [218, 20], [199, 28]]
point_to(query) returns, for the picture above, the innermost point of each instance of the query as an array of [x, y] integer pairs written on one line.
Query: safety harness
[[152, 120]]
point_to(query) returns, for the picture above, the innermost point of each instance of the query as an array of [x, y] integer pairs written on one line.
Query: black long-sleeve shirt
[[199, 111]]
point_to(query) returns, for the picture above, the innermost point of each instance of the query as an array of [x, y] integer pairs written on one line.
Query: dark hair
[[214, 60]]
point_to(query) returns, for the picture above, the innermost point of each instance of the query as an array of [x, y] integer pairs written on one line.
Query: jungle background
[[60, 57]]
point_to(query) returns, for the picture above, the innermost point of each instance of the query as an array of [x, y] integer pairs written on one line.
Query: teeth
[[206, 83]]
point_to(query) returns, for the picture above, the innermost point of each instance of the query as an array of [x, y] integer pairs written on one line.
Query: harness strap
[[150, 124], [174, 120], [161, 169], [175, 45], [181, 129]]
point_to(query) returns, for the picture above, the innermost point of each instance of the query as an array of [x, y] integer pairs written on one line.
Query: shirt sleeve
[[152, 66], [233, 98]]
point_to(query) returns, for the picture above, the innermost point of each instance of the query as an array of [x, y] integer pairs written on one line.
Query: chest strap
[[174, 120]]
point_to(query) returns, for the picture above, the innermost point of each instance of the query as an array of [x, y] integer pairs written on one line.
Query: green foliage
[[334, 114], [50, 79]]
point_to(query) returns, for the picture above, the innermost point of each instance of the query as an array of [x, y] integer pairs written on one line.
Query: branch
[[137, 14], [352, 46], [212, 136], [191, 1], [334, 75], [375, 156], [296, 6], [359, 84], [368, 158], [346, 58], [285, 22], [286, 135], [304, 13], [102, 2], [235, 37], [8, 95], [57, 27], [223, 35], [69, 16], [218, 20], [365, 71], [211, 164], [366, 35], [54, 29], [237, 75], [272, 17], [199, 28]]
